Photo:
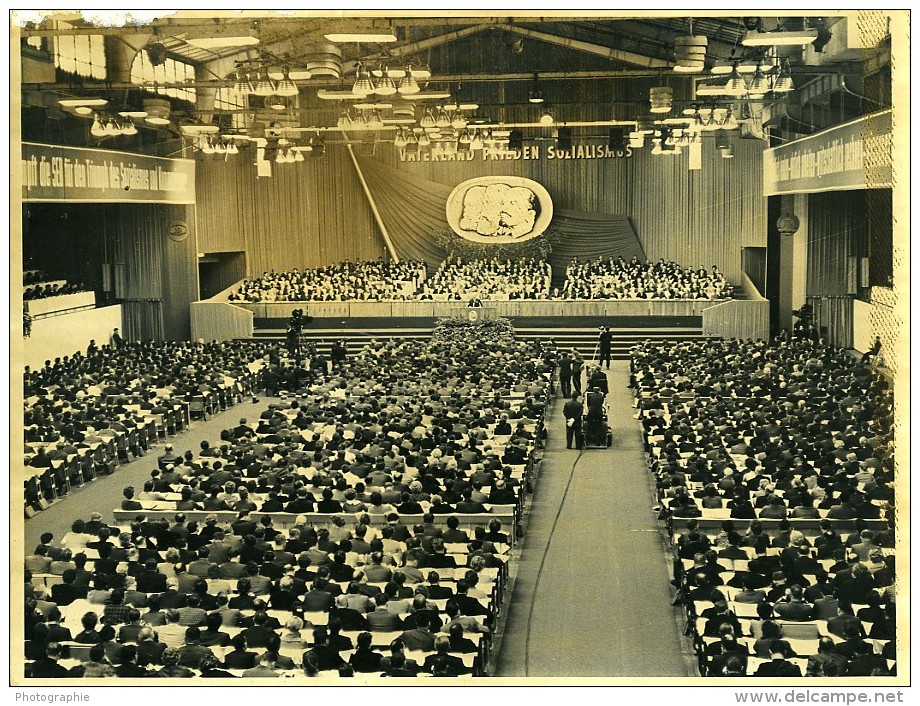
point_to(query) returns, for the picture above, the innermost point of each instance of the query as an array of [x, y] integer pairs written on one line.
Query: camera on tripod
[[804, 314]]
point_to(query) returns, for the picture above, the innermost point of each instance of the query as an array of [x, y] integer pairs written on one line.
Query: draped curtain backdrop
[[315, 212], [836, 238], [834, 318], [413, 210], [307, 214], [156, 275], [123, 249], [698, 218]]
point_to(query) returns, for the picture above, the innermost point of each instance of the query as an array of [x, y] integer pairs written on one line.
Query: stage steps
[[581, 339]]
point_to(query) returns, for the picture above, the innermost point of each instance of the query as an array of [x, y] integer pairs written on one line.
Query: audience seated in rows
[[787, 432], [400, 427], [615, 278], [74, 404]]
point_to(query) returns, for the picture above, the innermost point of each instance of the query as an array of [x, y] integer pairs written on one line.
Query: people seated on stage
[[793, 430], [50, 289], [615, 278], [485, 279], [374, 280]]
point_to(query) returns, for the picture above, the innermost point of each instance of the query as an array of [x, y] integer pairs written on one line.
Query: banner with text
[[75, 174], [856, 155], [527, 153]]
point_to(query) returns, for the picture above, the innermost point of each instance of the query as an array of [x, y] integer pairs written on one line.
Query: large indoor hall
[[463, 350]]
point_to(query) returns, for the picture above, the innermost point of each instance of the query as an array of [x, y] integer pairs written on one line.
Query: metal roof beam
[[589, 48]]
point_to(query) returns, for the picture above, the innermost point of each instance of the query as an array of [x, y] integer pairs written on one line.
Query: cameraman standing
[[604, 341]]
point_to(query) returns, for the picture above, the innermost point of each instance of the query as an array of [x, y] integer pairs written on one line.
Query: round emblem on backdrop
[[177, 231], [499, 209]]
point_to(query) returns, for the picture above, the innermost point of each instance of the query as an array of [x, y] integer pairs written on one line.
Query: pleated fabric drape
[[307, 214], [702, 217], [315, 212], [411, 208], [591, 235], [142, 319], [697, 218], [836, 236], [152, 267], [834, 318]]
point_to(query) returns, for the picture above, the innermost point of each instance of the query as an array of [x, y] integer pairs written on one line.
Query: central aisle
[[592, 597]]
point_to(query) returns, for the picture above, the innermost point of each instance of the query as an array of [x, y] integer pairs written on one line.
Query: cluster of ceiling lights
[[451, 140], [750, 81], [112, 125], [386, 81], [262, 82], [156, 113], [217, 144]]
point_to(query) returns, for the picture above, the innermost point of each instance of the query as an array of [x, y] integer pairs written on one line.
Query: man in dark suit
[[573, 410], [793, 607], [442, 663], [604, 343], [244, 524], [778, 666], [168, 458], [419, 638], [565, 375], [65, 593]]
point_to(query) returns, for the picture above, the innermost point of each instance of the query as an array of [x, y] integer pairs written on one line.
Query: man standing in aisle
[[578, 367], [605, 339], [338, 354], [565, 375], [573, 412]]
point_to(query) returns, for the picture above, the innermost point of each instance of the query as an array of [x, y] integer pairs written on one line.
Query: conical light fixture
[[286, 87], [428, 122], [736, 85], [477, 143], [364, 86], [386, 86], [98, 128], [408, 85], [264, 85], [760, 84], [783, 83]]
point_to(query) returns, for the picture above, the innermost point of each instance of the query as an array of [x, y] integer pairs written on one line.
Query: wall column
[[800, 252], [786, 264]]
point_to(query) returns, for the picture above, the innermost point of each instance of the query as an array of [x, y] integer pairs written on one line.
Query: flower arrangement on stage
[[458, 330]]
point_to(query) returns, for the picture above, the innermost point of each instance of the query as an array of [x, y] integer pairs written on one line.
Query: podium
[[474, 313]]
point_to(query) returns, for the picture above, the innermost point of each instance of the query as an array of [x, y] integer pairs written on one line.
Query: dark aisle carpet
[[600, 604]]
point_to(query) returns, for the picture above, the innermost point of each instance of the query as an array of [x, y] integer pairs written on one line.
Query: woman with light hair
[[168, 567], [291, 638]]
